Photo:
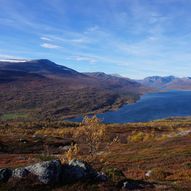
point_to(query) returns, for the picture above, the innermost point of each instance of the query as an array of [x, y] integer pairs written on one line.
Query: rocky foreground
[[54, 174], [147, 156]]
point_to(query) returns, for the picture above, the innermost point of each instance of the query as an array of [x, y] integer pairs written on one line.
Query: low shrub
[[159, 174], [114, 174]]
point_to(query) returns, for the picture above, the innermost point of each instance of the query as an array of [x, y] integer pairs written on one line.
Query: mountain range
[[42, 88], [167, 83]]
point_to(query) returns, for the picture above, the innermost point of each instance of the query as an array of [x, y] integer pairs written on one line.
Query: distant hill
[[115, 81], [167, 83], [41, 88], [42, 66]]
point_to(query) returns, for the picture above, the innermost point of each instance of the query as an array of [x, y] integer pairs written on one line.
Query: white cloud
[[80, 58], [45, 38], [49, 46]]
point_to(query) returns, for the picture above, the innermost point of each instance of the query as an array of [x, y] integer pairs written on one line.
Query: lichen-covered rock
[[47, 172], [5, 174], [20, 172]]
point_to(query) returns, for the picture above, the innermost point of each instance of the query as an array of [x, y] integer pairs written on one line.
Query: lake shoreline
[[151, 106]]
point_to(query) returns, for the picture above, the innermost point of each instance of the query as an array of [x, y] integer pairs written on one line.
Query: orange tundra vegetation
[[158, 151]]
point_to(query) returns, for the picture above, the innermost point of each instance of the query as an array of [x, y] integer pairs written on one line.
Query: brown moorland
[[157, 153]]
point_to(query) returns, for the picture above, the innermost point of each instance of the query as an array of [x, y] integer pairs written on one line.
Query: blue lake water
[[150, 107]]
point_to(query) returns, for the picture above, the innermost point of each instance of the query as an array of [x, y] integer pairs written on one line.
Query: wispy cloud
[[82, 58], [45, 38], [49, 46]]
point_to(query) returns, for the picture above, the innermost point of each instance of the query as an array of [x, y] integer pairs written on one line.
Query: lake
[[150, 107]]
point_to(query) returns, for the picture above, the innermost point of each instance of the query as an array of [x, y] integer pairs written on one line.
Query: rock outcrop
[[53, 172]]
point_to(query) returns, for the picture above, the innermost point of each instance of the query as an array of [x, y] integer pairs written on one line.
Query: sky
[[133, 38]]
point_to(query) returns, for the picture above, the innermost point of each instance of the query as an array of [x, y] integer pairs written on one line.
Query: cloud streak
[[49, 46]]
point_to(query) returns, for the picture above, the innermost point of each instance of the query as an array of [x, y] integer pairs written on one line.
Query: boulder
[[53, 172], [5, 174], [77, 170], [20, 172], [47, 172], [83, 167]]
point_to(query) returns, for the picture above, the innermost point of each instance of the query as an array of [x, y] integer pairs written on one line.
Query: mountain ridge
[[167, 82]]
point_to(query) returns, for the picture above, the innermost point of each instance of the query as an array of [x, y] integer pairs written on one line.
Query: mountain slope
[[41, 88], [42, 66], [167, 83]]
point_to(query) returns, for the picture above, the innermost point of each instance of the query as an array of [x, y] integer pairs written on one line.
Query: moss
[[115, 174], [44, 157], [188, 165], [10, 116]]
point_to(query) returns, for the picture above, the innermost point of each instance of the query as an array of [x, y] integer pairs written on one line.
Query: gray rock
[[20, 172], [47, 172], [101, 177], [64, 148], [83, 168], [77, 170], [53, 172], [5, 174], [137, 185]]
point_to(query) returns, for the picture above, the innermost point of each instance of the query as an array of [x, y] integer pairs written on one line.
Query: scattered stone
[[5, 174], [136, 185], [64, 148], [101, 177], [148, 173]]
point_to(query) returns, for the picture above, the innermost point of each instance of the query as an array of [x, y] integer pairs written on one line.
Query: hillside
[[167, 83], [153, 156], [42, 66], [41, 88]]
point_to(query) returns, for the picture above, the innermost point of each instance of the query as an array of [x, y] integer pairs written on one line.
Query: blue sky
[[134, 38]]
